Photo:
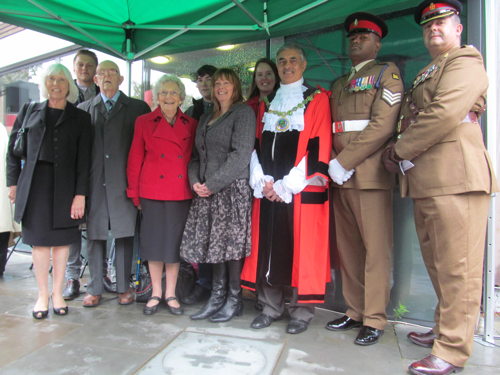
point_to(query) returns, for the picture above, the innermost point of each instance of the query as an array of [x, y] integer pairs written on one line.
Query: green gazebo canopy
[[138, 29]]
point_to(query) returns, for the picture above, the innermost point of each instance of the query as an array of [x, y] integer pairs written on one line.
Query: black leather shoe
[[262, 321], [296, 326], [199, 294], [72, 289], [368, 336], [150, 310], [173, 310], [342, 324], [108, 285]]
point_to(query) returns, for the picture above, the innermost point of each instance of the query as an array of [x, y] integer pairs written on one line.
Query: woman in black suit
[[50, 188]]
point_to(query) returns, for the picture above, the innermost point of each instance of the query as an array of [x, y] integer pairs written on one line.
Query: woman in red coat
[[158, 184]]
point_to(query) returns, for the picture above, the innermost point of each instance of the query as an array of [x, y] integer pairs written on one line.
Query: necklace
[[283, 123]]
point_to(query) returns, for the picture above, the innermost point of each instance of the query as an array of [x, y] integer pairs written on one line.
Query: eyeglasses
[[166, 93], [111, 72]]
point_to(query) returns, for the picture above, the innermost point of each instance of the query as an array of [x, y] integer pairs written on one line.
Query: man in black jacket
[[204, 84]]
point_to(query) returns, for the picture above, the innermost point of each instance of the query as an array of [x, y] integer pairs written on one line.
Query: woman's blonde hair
[[59, 69]]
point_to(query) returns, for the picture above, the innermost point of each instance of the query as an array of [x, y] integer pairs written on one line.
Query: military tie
[[352, 73]]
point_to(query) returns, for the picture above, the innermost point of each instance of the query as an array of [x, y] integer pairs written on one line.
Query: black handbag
[[20, 148], [143, 285]]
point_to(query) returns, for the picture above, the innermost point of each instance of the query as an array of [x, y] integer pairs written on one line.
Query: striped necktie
[[109, 105]]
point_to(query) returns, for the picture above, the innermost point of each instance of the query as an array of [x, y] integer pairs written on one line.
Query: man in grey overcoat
[[113, 117]]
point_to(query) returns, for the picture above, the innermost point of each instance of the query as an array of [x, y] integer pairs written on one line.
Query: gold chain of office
[[302, 104], [283, 124]]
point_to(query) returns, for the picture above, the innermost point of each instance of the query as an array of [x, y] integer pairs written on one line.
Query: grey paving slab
[[20, 336], [114, 339], [321, 351], [62, 358], [126, 330], [203, 354]]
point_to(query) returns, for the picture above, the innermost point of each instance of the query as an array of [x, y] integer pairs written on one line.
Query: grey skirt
[[218, 227]]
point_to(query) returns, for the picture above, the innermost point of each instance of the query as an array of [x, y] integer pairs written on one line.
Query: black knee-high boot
[[218, 294], [234, 304]]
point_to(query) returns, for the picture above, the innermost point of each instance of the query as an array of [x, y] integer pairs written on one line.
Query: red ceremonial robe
[[311, 253]]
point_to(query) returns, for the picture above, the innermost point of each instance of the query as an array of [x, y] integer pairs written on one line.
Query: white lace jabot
[[287, 97]]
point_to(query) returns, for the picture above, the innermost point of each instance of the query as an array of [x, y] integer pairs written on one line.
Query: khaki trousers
[[452, 230], [363, 227]]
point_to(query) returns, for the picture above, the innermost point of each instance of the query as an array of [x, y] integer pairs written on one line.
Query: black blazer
[[72, 145]]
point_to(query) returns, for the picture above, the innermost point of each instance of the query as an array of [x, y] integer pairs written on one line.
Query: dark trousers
[[272, 299], [4, 243], [124, 248]]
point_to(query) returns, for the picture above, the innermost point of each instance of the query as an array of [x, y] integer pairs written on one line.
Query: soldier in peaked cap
[[364, 105], [449, 175]]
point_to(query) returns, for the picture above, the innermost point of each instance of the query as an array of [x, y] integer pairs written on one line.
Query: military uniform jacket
[[373, 93], [446, 148], [109, 208]]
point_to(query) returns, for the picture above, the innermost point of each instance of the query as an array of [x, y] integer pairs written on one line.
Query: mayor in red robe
[[290, 218]]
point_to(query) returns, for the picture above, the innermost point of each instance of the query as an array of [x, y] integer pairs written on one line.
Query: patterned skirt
[[218, 227]]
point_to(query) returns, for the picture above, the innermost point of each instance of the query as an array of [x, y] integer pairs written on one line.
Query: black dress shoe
[[368, 336], [297, 326], [342, 324], [150, 310], [432, 365], [199, 294], [72, 289], [173, 310], [262, 321], [108, 285]]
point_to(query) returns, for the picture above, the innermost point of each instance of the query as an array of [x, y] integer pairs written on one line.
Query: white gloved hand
[[337, 172], [348, 175]]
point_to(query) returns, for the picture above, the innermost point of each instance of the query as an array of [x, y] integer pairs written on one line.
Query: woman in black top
[[49, 189]]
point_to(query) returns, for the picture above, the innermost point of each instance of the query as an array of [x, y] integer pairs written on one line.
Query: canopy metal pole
[[129, 76], [180, 32], [247, 12], [297, 12]]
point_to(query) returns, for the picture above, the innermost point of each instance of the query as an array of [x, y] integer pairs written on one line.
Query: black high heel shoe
[[61, 310], [41, 314]]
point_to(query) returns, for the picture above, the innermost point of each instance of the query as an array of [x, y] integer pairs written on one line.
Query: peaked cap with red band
[[429, 10], [361, 22]]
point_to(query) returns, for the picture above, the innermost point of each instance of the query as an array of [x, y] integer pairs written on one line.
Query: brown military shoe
[[126, 298], [425, 339], [91, 301], [432, 365]]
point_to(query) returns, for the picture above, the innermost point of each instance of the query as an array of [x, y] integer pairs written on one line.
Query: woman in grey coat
[[218, 225]]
